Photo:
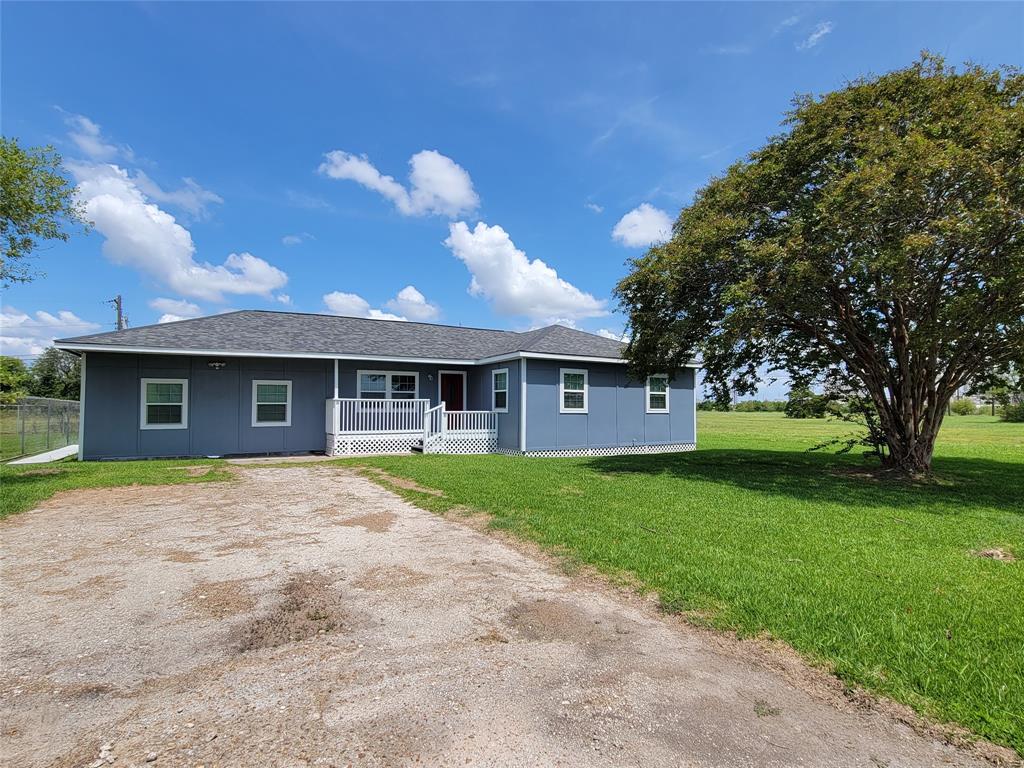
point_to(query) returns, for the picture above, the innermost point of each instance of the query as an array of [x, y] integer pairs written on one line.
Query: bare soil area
[[303, 616]]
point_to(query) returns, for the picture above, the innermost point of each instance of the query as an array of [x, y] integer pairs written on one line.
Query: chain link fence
[[37, 424]]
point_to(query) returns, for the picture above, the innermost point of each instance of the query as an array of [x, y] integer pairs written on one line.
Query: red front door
[[453, 391]]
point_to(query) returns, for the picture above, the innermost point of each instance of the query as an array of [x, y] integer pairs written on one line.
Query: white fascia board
[[236, 353], [71, 347]]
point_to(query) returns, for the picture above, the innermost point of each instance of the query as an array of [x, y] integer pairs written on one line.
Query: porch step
[[417, 447]]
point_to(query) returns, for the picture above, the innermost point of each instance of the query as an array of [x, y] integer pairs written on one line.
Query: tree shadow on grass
[[958, 483]]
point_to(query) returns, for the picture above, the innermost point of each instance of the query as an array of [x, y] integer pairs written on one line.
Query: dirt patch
[[553, 620], [402, 482], [95, 586], [309, 606], [181, 556], [220, 599], [996, 553], [374, 522], [198, 470], [41, 472], [394, 577]]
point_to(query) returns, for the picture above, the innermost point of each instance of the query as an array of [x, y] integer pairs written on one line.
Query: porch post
[[335, 378]]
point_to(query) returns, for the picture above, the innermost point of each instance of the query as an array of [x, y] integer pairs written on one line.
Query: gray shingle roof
[[266, 332]]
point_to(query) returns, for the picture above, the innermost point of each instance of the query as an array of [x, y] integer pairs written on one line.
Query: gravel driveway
[[305, 616]]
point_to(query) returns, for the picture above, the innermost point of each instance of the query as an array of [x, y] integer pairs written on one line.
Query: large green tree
[[14, 379], [56, 373], [37, 203], [878, 242]]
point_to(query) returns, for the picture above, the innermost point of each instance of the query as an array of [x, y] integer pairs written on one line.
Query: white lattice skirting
[[390, 442], [467, 441], [615, 450]]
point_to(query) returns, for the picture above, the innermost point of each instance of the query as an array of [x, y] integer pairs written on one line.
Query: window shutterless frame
[[158, 399], [657, 395], [269, 398], [388, 390], [578, 390], [499, 393]]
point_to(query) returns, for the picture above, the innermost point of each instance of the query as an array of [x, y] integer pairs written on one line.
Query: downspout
[[522, 405], [81, 411]]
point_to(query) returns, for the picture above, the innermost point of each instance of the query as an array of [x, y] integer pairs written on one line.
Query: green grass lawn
[[23, 487], [878, 580]]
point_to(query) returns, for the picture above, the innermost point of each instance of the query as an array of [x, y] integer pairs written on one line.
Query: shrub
[[802, 403], [963, 407], [1013, 413], [711, 405], [760, 406]]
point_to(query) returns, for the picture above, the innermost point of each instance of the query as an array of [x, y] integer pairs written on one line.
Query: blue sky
[[476, 164]]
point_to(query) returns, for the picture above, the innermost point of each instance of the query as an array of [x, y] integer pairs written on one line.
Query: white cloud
[[24, 335], [412, 304], [731, 49], [620, 336], [139, 234], [296, 239], [643, 226], [283, 298], [789, 21], [89, 139], [823, 28], [175, 309], [594, 207], [191, 198], [437, 184], [354, 305], [516, 285]]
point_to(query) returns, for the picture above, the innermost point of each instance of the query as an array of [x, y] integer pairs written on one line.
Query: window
[[499, 390], [271, 403], [657, 393], [164, 404], [573, 390], [388, 385]]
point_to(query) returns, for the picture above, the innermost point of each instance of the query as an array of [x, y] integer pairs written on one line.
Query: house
[[261, 382]]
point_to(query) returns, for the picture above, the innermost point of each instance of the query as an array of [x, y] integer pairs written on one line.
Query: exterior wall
[[220, 406], [480, 387], [616, 410]]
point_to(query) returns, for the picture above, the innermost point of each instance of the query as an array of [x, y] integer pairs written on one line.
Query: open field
[[881, 582]]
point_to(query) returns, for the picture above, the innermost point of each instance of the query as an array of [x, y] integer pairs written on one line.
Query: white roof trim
[[83, 347]]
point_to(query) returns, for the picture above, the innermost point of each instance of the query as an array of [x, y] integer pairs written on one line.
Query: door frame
[[465, 386]]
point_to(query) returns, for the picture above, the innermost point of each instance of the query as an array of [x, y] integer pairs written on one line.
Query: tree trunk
[[911, 445]]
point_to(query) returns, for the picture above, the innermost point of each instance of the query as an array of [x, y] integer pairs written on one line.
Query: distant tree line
[[55, 373], [1002, 391]]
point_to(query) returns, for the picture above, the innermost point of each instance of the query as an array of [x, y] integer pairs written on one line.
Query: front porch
[[360, 426]]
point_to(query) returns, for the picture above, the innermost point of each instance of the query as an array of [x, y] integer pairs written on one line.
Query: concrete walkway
[[42, 458]]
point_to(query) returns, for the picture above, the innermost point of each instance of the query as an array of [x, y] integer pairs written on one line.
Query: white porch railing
[[350, 415], [396, 426]]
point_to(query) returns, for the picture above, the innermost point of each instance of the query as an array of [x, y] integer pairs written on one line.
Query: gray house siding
[[219, 412], [616, 410], [220, 405]]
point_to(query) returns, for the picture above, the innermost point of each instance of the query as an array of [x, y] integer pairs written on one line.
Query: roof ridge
[[370, 319]]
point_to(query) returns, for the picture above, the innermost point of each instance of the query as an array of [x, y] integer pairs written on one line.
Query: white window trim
[[508, 387], [287, 406], [561, 390], [184, 404], [647, 392], [465, 386], [387, 385]]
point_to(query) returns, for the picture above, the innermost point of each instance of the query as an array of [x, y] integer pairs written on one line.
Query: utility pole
[[116, 304]]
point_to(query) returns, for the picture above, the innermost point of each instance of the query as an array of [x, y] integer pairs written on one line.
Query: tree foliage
[[56, 373], [878, 241], [14, 379], [36, 203]]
